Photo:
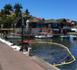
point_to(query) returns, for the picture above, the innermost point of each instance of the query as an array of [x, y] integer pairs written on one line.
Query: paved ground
[[13, 60]]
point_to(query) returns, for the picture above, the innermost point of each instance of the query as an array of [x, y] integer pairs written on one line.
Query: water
[[72, 45], [50, 53]]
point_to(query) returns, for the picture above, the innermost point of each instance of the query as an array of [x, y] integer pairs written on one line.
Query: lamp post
[[22, 33], [23, 45]]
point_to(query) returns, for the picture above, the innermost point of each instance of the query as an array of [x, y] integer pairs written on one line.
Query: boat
[[43, 36]]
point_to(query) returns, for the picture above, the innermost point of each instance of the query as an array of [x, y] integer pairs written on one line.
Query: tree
[[17, 8], [7, 16], [7, 9], [2, 17], [27, 15], [27, 12], [1, 12], [4, 14]]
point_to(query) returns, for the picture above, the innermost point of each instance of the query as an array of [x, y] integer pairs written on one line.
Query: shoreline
[[45, 66]]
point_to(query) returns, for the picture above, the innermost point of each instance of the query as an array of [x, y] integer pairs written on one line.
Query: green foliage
[[7, 9], [18, 8], [50, 20], [8, 16], [61, 20], [27, 12]]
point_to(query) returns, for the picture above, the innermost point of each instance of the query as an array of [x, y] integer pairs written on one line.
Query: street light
[[22, 33], [24, 45]]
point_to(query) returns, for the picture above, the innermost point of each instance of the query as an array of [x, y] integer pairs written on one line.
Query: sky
[[48, 9]]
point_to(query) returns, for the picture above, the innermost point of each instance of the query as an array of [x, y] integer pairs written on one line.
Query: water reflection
[[64, 41]]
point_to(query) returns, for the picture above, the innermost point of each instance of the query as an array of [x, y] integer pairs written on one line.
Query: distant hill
[[35, 19]]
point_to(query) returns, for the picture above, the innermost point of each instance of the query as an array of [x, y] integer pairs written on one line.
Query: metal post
[[22, 33], [23, 45]]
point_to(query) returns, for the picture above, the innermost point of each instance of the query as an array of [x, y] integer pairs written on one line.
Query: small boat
[[43, 36]]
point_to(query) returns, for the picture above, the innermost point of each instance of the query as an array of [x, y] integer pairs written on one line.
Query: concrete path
[[14, 60]]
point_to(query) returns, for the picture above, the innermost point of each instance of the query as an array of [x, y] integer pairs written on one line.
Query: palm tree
[[4, 14], [27, 12], [7, 9], [17, 8]]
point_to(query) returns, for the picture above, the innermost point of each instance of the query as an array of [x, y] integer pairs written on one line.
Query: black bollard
[[24, 47]]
